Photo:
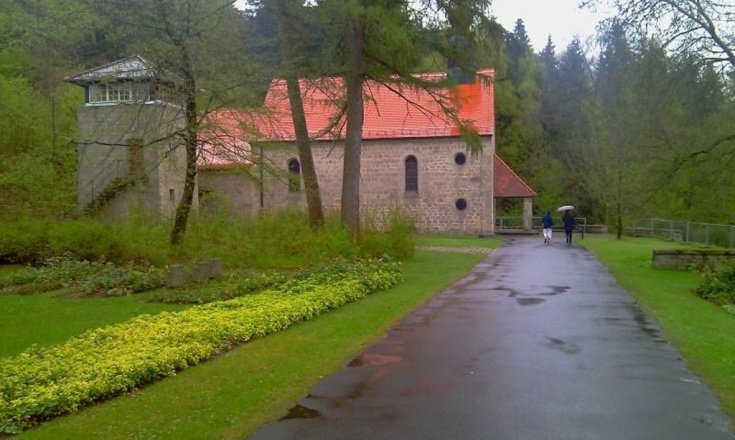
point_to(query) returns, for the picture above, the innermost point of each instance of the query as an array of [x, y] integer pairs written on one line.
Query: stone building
[[129, 158], [413, 154]]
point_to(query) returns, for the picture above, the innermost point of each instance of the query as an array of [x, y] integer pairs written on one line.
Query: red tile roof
[[222, 137], [508, 185], [391, 110]]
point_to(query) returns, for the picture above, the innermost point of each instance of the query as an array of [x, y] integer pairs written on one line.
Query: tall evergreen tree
[[611, 159]]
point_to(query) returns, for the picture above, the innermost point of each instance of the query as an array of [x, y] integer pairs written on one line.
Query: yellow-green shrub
[[41, 383]]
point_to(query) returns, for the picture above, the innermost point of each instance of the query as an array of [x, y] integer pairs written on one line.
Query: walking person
[[546, 223], [569, 224]]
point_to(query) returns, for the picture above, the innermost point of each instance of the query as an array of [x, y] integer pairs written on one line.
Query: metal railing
[[105, 175], [689, 232], [516, 223]]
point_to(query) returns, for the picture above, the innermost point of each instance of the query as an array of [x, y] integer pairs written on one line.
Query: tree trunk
[[353, 139], [190, 143], [619, 203], [308, 172]]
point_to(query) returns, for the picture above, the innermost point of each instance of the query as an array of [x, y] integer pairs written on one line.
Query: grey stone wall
[[232, 192], [440, 182], [690, 259], [104, 133]]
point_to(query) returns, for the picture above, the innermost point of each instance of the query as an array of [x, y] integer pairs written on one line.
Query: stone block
[[176, 276], [200, 272], [215, 268]]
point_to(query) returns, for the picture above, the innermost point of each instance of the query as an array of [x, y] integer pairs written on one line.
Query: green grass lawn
[[232, 395], [458, 241], [46, 319], [703, 332]]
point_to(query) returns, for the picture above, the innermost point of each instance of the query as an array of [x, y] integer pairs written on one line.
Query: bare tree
[[179, 35], [706, 27]]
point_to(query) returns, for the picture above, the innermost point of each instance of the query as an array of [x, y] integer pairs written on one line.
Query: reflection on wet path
[[536, 342]]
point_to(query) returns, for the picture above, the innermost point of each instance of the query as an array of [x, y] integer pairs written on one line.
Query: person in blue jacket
[[546, 223], [569, 224]]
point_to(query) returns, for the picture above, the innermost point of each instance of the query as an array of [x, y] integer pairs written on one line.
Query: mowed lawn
[[458, 241], [232, 395], [47, 318], [702, 331]]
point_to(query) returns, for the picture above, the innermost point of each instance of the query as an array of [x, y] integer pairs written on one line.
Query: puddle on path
[[556, 290], [558, 344], [373, 359], [642, 320], [301, 412], [529, 301]]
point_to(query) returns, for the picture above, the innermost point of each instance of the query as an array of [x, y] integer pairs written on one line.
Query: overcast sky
[[560, 18]]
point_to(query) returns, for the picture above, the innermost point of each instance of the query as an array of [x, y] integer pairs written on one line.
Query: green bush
[[718, 285], [281, 240], [41, 383], [272, 240], [394, 236], [24, 242], [33, 241]]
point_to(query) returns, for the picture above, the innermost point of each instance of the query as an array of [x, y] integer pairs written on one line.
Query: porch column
[[527, 213]]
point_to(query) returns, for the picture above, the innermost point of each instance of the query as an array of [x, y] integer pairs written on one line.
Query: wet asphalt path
[[537, 342]]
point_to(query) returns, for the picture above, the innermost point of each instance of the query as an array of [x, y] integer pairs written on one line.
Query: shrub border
[[42, 383]]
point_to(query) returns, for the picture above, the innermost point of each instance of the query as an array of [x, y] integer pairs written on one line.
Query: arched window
[[294, 175], [412, 174]]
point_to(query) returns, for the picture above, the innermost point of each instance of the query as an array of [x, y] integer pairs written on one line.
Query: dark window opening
[[461, 204], [460, 158], [412, 174], [294, 175]]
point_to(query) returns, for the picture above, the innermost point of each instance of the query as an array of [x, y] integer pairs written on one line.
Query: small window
[[460, 158], [172, 194], [294, 175], [118, 92], [460, 204], [412, 174]]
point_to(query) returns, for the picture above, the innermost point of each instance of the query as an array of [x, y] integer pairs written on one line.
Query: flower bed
[[233, 285], [88, 277], [41, 383]]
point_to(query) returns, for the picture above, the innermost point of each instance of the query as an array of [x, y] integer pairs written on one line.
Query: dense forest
[[634, 127]]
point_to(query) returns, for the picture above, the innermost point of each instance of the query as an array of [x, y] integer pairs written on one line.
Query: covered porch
[[509, 186]]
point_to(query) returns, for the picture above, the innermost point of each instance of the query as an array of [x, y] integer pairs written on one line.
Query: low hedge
[[41, 383]]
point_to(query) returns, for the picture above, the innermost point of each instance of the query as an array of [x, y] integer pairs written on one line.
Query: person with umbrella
[[569, 223]]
